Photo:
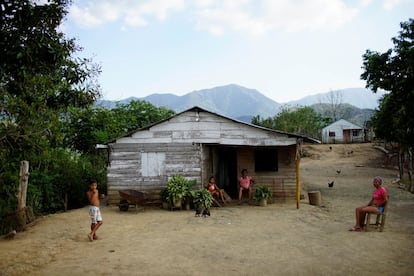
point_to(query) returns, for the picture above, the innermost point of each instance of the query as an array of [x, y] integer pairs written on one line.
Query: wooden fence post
[[22, 193]]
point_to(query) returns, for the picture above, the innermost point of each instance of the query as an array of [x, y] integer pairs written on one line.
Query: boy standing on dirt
[[94, 211]]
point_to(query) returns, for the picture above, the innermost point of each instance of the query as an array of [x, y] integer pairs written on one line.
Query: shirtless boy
[[94, 211]]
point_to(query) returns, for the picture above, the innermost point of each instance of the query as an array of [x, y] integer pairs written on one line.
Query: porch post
[[298, 146]]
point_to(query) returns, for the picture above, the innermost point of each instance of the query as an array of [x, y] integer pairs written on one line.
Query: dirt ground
[[236, 240]]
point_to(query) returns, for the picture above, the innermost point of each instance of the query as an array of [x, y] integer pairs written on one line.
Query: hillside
[[357, 97], [243, 103]]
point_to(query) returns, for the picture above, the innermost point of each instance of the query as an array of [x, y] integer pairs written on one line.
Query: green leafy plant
[[202, 198], [178, 188], [188, 193], [262, 192], [164, 195]]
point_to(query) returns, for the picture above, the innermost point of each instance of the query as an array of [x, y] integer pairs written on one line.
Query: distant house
[[342, 131], [198, 144]]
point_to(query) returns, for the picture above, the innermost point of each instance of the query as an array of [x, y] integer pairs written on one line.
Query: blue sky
[[286, 49]]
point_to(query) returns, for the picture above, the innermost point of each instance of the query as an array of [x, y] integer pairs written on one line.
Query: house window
[[331, 134], [152, 163], [355, 132], [265, 160]]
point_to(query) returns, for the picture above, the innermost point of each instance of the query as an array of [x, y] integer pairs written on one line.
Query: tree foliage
[[393, 71], [39, 81], [91, 126], [46, 113], [300, 120]]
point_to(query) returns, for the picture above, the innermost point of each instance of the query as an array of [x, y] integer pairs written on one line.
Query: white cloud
[[93, 13], [258, 17], [386, 4], [390, 4], [365, 3], [83, 17], [217, 16]]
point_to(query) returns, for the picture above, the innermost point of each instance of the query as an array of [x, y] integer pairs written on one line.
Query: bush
[[203, 198], [179, 187]]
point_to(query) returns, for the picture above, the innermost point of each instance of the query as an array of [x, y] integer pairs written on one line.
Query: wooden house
[[342, 131], [198, 144]]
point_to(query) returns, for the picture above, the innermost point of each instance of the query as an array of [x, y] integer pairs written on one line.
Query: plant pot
[[165, 205], [177, 202], [263, 202]]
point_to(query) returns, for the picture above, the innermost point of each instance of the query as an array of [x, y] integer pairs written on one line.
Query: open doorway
[[227, 170]]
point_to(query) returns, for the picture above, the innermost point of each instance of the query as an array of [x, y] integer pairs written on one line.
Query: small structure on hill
[[342, 131]]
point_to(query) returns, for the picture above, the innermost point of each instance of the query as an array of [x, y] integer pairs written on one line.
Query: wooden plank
[[227, 197], [216, 203]]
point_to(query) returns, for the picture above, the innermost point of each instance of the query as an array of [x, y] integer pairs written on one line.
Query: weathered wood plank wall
[[147, 158], [124, 170]]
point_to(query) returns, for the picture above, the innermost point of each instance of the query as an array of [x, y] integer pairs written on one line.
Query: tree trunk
[[22, 194], [410, 170], [65, 202], [401, 162], [23, 181]]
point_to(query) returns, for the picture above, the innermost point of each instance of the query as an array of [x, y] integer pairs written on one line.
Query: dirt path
[[239, 240]]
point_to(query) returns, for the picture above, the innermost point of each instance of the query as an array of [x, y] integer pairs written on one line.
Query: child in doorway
[[245, 182], [214, 189]]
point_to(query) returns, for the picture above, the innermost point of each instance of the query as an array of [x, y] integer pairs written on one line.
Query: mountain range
[[243, 103]]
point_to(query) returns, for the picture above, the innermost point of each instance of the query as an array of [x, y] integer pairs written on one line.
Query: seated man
[[214, 189], [245, 182]]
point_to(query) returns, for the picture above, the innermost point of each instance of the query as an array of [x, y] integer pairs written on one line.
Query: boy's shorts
[[95, 214]]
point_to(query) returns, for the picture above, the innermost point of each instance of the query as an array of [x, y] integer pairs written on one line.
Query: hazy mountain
[[230, 100], [346, 111], [243, 103], [359, 97]]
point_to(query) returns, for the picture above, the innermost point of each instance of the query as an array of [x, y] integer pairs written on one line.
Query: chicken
[[206, 213], [10, 235], [198, 212]]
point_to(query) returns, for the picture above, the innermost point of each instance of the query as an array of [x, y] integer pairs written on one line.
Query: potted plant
[[177, 189], [262, 194], [203, 200], [188, 196], [164, 199]]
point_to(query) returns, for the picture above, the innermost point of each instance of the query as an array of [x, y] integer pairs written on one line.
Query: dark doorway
[[228, 170]]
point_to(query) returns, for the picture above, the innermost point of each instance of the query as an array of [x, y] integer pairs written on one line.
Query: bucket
[[314, 198]]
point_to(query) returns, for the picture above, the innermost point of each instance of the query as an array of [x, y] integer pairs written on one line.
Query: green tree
[[91, 126], [300, 120], [86, 127], [137, 114], [393, 71], [39, 80]]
